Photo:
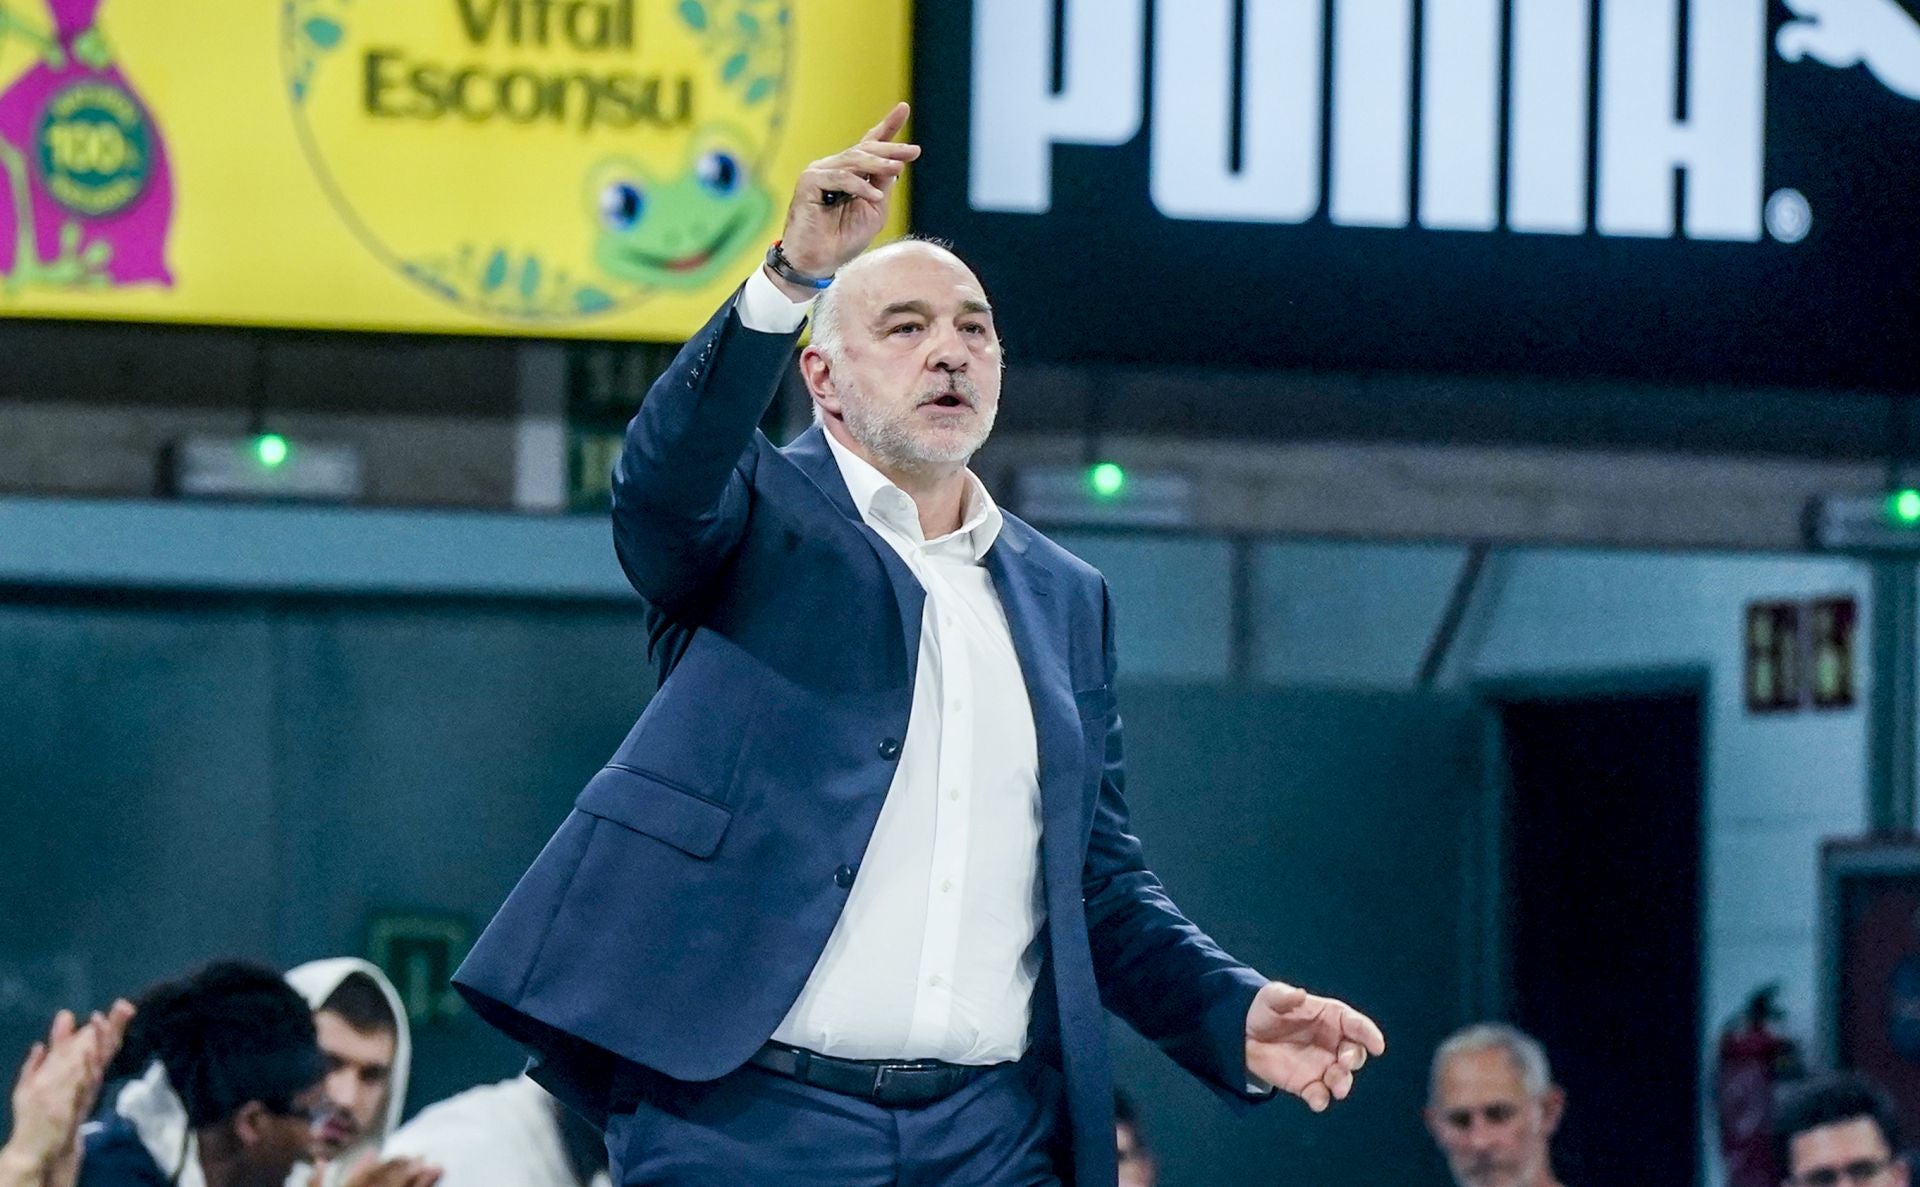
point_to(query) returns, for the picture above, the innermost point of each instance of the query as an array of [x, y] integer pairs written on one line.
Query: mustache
[[956, 385]]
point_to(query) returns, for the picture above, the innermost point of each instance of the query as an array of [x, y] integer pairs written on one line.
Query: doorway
[[1602, 910]]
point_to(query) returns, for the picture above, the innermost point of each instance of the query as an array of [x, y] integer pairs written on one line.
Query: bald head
[[856, 279]]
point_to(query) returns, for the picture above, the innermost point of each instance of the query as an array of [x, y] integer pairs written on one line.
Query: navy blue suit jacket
[[675, 916]]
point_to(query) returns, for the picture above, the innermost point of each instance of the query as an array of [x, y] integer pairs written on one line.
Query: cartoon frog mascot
[[683, 232]]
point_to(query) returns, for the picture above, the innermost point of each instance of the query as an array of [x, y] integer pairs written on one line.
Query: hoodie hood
[[159, 1119], [316, 980]]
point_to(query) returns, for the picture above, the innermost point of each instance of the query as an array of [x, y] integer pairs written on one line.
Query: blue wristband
[[784, 269]]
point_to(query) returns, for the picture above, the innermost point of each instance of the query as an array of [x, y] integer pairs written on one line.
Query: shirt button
[[953, 793], [936, 980], [890, 749], [947, 886], [843, 877]]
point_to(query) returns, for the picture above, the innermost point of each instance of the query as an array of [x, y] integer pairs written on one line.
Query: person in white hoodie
[[362, 1028]]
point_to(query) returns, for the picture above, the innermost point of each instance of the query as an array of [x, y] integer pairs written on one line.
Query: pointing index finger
[[890, 126]]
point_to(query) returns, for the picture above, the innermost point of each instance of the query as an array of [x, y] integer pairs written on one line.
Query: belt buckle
[[902, 1084], [884, 1081]]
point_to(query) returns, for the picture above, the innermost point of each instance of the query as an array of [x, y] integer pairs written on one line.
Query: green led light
[[271, 449], [1107, 480], [1903, 507]]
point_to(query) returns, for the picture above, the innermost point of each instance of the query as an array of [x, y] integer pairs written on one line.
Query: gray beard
[[892, 440]]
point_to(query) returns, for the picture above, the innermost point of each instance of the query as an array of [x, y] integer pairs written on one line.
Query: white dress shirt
[[935, 953]]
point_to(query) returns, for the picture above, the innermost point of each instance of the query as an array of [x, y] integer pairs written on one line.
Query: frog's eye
[[719, 171], [621, 205]]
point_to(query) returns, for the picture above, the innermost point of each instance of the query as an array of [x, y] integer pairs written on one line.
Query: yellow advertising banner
[[598, 168]]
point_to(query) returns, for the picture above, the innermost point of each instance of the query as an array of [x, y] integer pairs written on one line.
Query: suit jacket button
[[890, 749], [843, 877]]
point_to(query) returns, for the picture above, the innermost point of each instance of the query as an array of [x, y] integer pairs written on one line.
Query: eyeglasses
[[1862, 1171], [315, 1112]]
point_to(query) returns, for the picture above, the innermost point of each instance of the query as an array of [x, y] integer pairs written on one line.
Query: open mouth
[[951, 401], [692, 261]]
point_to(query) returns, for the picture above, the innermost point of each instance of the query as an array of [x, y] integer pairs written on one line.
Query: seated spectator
[[510, 1134], [1838, 1130], [225, 1081], [55, 1092], [1493, 1107], [362, 1028], [1137, 1166]]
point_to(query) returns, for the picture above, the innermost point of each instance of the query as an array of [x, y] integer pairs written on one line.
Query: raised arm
[[680, 488]]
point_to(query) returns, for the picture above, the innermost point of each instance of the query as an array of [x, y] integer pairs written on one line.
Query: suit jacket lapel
[[811, 453], [1037, 622]]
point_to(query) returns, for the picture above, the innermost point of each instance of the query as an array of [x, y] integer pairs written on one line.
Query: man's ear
[[816, 370], [249, 1123], [1553, 1106], [1431, 1116]]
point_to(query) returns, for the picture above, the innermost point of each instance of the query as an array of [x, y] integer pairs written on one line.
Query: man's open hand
[[823, 233], [56, 1091], [1307, 1045]]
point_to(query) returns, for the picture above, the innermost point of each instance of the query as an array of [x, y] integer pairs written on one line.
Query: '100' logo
[[93, 149]]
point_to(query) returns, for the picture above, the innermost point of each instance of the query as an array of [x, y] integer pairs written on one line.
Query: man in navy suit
[[849, 904]]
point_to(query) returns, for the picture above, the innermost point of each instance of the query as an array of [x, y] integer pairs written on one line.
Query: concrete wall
[[85, 409]]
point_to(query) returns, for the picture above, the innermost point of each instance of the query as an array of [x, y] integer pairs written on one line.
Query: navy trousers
[[753, 1128]]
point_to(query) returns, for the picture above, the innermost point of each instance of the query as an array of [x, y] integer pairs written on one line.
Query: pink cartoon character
[[86, 197]]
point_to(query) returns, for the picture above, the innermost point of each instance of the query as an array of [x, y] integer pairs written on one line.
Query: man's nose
[[340, 1088], [948, 350]]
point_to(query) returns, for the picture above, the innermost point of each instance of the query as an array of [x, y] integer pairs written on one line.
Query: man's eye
[[1460, 1120], [904, 328], [1500, 1114], [975, 328]]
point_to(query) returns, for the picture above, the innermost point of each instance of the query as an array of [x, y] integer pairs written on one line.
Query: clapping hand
[[55, 1092]]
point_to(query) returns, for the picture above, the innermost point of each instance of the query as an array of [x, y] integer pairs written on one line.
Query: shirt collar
[[878, 499]]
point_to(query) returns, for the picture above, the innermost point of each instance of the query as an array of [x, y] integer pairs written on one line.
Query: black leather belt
[[915, 1082]]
